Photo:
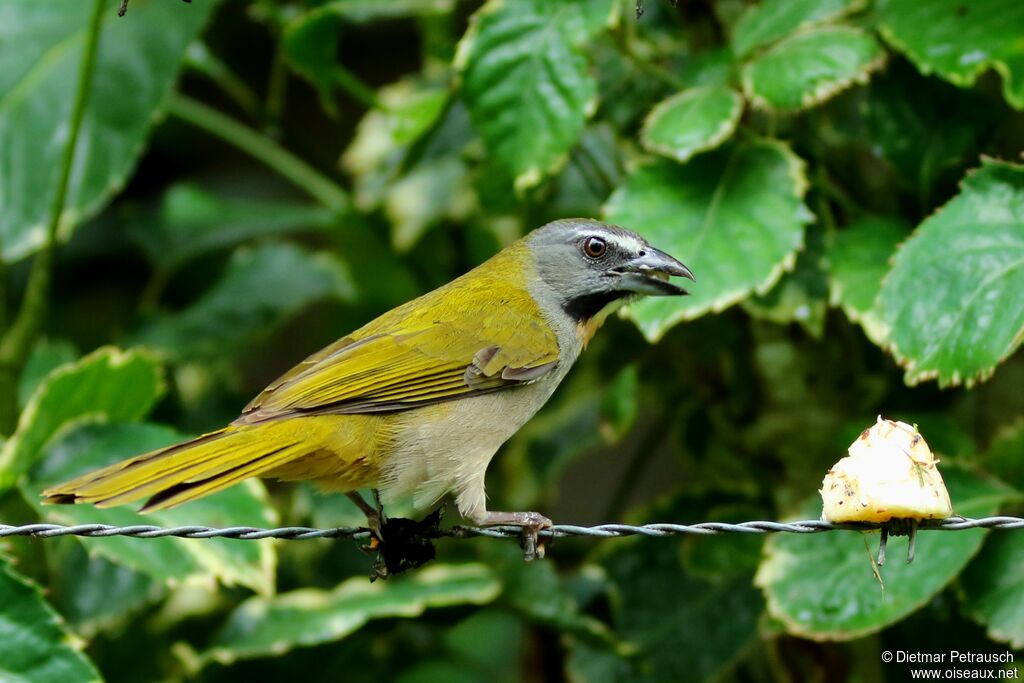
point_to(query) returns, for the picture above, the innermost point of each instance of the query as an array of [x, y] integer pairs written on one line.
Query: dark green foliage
[[844, 177]]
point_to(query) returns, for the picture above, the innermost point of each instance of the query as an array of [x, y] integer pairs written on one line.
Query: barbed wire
[[657, 530]]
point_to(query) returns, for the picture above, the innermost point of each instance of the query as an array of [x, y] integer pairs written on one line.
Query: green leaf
[[952, 301], [858, 259], [40, 48], [46, 357], [659, 605], [432, 191], [993, 588], [93, 593], [260, 287], [692, 121], [35, 646], [107, 385], [770, 20], [800, 296], [809, 68], [310, 46], [959, 40], [525, 79], [192, 221], [1005, 456], [821, 586], [263, 627], [735, 216], [249, 563]]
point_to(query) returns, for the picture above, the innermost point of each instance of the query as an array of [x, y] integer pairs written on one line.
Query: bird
[[416, 403]]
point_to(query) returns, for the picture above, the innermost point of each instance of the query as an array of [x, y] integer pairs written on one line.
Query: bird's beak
[[649, 274]]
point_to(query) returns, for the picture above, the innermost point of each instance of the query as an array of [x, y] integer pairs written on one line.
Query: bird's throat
[[590, 311]]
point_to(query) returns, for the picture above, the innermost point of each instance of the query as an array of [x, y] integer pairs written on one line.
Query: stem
[[17, 341], [625, 46], [359, 91], [259, 146], [277, 88], [200, 58]]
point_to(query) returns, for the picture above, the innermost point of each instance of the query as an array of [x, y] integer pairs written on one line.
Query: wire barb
[[656, 530]]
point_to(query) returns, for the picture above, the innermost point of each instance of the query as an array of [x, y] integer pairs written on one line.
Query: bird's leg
[[374, 516]]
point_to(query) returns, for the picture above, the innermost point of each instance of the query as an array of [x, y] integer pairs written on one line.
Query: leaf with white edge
[[40, 48], [526, 82], [260, 287], [735, 216], [107, 385], [192, 221], [952, 301], [263, 627], [35, 646], [960, 40], [858, 259], [166, 559], [770, 20], [993, 588], [692, 121], [809, 68], [46, 356], [822, 588], [800, 296]]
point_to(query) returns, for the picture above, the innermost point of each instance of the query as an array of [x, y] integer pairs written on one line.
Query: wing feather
[[419, 354]]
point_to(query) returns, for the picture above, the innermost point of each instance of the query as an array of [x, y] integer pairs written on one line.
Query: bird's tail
[[186, 471]]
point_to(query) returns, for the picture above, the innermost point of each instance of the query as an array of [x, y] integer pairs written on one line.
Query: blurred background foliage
[[252, 179]]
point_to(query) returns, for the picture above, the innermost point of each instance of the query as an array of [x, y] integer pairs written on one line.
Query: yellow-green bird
[[416, 403]]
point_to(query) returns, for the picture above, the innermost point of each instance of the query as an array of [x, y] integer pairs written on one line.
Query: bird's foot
[[375, 519], [531, 522]]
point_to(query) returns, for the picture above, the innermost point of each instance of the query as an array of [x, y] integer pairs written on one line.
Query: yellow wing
[[476, 334]]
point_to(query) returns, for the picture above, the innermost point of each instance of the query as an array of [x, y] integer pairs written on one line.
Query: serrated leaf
[[809, 68], [952, 300], [800, 296], [771, 20], [672, 619], [822, 588], [526, 82], [107, 385], [40, 47], [262, 627], [46, 356], [692, 121], [858, 259], [35, 646], [960, 40], [249, 563], [993, 588], [192, 221], [260, 287], [735, 216]]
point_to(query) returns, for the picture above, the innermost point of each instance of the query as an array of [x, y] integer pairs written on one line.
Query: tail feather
[[176, 474]]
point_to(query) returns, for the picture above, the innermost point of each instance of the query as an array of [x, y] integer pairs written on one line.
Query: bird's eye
[[594, 247]]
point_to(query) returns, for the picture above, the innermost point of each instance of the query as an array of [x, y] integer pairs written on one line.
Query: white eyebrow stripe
[[627, 242]]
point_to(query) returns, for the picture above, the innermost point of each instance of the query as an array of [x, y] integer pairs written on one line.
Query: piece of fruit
[[890, 474]]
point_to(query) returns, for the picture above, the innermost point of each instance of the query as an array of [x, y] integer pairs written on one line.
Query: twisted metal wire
[[657, 530]]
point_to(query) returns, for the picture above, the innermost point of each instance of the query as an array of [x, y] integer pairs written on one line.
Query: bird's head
[[591, 265]]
